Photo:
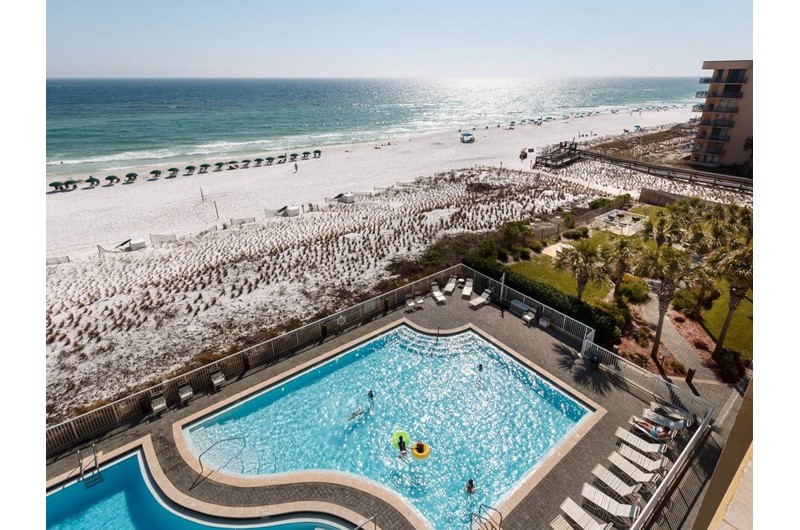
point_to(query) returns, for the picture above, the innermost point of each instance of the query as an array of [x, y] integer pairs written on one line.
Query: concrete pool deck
[[554, 352]]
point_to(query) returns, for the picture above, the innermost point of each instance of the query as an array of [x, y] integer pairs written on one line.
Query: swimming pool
[[126, 500], [494, 425]]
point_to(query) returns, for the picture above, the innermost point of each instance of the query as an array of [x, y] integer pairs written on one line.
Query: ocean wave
[[127, 155]]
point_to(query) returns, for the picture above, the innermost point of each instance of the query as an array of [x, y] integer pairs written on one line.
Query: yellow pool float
[[420, 450]]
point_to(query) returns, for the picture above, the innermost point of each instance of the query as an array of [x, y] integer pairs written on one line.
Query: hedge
[[603, 322]]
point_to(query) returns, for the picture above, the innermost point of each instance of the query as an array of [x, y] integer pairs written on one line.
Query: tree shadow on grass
[[582, 372]]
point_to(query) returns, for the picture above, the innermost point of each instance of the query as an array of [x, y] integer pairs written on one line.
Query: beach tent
[[467, 138], [347, 198]]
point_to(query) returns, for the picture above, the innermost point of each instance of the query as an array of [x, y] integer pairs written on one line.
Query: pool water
[[124, 500], [493, 425]]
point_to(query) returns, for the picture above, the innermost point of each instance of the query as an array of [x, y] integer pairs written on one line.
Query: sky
[[408, 38]]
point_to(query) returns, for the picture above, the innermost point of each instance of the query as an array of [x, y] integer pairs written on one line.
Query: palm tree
[[584, 261], [620, 255], [735, 264], [665, 229], [670, 267]]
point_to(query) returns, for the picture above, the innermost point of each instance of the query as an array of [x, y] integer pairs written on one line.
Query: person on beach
[[295, 168], [470, 486]]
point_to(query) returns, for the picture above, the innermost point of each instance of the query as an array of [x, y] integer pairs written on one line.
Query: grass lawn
[[540, 268], [740, 332], [650, 211]]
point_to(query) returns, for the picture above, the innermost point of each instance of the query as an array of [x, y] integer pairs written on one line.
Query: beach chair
[[451, 285], [411, 305], [482, 300], [185, 393], [672, 412], [158, 404], [467, 292], [643, 461], [420, 301], [675, 425], [615, 483], [436, 293], [573, 511], [632, 471], [529, 317], [607, 504], [642, 445], [217, 379]]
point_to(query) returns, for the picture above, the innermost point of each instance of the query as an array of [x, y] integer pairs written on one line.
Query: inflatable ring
[[423, 452], [396, 439]]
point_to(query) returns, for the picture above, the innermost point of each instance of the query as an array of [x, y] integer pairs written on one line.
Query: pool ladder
[[485, 519], [90, 474]]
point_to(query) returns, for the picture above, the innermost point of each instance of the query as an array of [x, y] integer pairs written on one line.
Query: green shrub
[[604, 323], [635, 290], [584, 230], [642, 337], [599, 203], [537, 246], [639, 359], [685, 301], [572, 234], [676, 366], [730, 365], [524, 254], [502, 255], [569, 221]]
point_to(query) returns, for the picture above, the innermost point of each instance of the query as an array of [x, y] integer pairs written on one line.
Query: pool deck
[[554, 352]]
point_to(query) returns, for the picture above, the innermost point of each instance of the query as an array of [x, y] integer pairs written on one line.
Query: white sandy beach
[[125, 319], [79, 220]]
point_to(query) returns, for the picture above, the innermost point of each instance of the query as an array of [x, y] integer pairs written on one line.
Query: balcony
[[705, 80], [718, 95], [730, 80], [717, 123], [713, 137], [712, 108], [714, 151]]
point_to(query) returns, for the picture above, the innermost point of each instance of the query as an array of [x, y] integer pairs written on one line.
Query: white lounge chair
[[559, 523], [632, 471], [437, 294], [420, 301], [411, 305], [467, 292], [581, 517], [642, 445], [609, 505], [643, 461], [482, 300], [615, 483], [185, 393], [675, 425], [158, 403], [451, 285], [217, 379], [653, 430], [672, 412]]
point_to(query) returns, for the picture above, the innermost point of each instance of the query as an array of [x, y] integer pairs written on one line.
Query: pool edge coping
[[166, 488], [364, 484]]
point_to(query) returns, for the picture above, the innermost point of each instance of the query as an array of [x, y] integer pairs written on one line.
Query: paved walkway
[[739, 515], [673, 340]]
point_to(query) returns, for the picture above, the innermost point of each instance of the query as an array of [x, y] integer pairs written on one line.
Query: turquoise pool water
[[125, 500], [493, 425]]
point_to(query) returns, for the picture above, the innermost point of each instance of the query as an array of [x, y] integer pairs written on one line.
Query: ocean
[[105, 125]]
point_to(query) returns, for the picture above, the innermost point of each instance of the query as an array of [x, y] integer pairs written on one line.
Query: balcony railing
[[705, 80], [714, 151], [713, 137], [718, 95], [717, 123], [712, 108], [738, 80]]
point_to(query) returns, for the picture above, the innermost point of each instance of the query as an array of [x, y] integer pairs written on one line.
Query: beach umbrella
[[190, 169], [317, 152], [93, 181], [131, 177], [258, 161], [57, 185], [112, 179], [173, 171], [294, 155], [156, 173], [219, 165], [305, 154], [246, 162], [204, 167], [232, 164], [281, 156], [269, 159], [72, 183]]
